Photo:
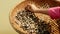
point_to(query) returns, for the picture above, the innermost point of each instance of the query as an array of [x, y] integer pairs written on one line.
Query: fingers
[[32, 8], [28, 7]]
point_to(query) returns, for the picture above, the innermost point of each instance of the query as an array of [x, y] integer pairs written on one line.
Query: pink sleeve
[[54, 12]]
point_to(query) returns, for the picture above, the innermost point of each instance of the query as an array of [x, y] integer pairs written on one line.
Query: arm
[[54, 12], [33, 8], [43, 11]]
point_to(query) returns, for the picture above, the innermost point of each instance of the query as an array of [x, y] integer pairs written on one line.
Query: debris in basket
[[30, 23]]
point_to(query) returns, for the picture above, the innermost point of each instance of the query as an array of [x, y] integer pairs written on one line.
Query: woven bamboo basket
[[43, 4]]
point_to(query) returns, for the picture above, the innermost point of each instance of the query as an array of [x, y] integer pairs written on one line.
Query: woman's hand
[[33, 8]]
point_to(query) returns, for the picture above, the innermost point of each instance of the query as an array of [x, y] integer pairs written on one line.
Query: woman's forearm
[[44, 11]]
